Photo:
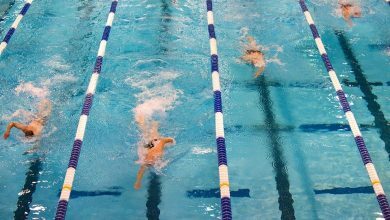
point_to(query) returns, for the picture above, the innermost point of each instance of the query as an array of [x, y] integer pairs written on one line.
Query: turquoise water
[[288, 122]]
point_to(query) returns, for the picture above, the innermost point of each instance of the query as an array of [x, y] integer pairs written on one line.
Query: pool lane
[[373, 106], [278, 160]]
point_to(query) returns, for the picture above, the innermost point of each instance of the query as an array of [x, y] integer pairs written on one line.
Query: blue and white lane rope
[[376, 184], [14, 25], [70, 172], [219, 128]]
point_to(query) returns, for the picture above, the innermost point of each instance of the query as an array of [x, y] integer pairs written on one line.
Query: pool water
[[290, 152]]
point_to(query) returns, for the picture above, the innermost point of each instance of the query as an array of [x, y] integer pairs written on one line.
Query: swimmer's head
[[29, 133], [150, 144]]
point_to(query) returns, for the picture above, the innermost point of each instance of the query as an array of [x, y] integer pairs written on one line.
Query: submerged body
[[255, 56], [34, 128], [349, 10], [154, 148]]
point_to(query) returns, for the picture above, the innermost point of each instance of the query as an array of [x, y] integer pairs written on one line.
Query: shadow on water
[[154, 197], [278, 161], [371, 99], [30, 183]]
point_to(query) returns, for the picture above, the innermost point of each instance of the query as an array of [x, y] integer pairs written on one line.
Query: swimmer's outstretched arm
[[17, 125], [140, 174]]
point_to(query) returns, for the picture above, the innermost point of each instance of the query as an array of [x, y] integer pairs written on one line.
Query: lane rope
[[14, 25], [70, 172], [376, 184], [226, 211]]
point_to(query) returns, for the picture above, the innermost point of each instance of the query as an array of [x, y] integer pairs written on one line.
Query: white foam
[[274, 59], [56, 62], [32, 90], [43, 91], [37, 208], [57, 79], [21, 114], [157, 96], [200, 150]]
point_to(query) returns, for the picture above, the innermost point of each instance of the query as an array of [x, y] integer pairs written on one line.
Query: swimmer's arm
[[17, 125], [259, 71], [140, 173]]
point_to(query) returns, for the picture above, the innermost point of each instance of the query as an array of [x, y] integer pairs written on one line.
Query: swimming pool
[[288, 144]]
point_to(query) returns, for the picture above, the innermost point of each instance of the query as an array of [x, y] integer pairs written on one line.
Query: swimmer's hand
[[168, 140], [6, 135], [137, 185]]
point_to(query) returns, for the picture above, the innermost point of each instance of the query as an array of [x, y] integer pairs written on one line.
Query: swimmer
[[254, 56], [154, 147], [349, 11], [36, 125]]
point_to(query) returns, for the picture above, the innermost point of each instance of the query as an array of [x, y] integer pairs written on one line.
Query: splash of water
[[29, 88], [43, 91], [157, 97], [56, 62], [272, 50], [200, 150]]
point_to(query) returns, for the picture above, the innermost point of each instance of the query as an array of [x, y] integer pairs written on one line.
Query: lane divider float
[[14, 25], [226, 211]]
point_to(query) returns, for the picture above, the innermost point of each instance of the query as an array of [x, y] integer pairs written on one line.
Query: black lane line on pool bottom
[[346, 190], [216, 193], [78, 193], [24, 200], [166, 18], [154, 197], [356, 84], [373, 106], [282, 183], [304, 128], [331, 127], [307, 85]]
